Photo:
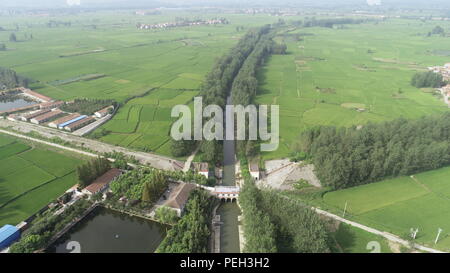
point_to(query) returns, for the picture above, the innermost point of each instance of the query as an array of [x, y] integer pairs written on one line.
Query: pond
[[16, 103], [108, 231]]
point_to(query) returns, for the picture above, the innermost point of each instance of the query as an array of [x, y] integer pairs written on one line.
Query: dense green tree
[[91, 170], [12, 37], [182, 147], [427, 79], [146, 193], [274, 223], [191, 233], [211, 151], [252, 148], [438, 30], [353, 156], [166, 215], [10, 79], [236, 71], [279, 49], [88, 106], [259, 230], [28, 244], [134, 183], [45, 226], [330, 23]]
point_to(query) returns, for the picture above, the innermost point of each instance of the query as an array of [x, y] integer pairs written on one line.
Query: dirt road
[[388, 236]]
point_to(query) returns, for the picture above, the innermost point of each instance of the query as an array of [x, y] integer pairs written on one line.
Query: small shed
[[254, 170], [8, 235]]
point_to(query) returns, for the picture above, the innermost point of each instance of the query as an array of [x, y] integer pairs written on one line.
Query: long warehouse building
[[8, 235], [35, 114], [61, 126], [46, 117], [56, 123], [81, 123]]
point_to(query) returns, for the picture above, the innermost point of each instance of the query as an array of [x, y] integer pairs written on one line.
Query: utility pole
[[437, 237], [414, 233], [345, 209]]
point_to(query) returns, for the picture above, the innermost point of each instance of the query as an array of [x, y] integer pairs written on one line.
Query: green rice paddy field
[[341, 77], [30, 178], [149, 71], [350, 76], [397, 205]]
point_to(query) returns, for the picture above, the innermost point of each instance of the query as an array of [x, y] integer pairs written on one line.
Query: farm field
[[350, 76], [354, 240], [397, 205], [144, 123], [103, 55], [30, 178]]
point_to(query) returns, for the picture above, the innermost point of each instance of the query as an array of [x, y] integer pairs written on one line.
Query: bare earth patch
[[395, 247], [283, 174]]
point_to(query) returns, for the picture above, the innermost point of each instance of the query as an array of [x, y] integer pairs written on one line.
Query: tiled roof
[[103, 180], [48, 115], [35, 94], [35, 114], [66, 118], [180, 195]]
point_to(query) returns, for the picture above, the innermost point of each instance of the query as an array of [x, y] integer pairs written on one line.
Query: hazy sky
[[131, 3]]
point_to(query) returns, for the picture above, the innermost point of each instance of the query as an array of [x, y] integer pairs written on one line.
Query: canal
[[229, 211], [108, 231]]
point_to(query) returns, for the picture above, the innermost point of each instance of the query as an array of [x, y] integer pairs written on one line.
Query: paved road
[[156, 161], [91, 127]]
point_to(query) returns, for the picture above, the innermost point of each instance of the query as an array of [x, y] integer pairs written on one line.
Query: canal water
[[16, 103], [108, 231], [229, 211]]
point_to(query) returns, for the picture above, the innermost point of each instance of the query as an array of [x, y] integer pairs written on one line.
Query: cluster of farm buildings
[[445, 72], [47, 111], [175, 198], [183, 23]]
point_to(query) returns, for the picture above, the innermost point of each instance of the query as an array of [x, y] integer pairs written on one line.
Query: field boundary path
[[188, 163], [386, 235], [156, 161]]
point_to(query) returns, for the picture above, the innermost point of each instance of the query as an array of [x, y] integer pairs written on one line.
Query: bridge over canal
[[227, 193]]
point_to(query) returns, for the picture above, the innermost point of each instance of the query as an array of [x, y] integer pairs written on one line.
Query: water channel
[[229, 211], [107, 231]]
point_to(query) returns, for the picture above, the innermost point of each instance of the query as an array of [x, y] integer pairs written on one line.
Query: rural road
[[156, 161], [386, 235]]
